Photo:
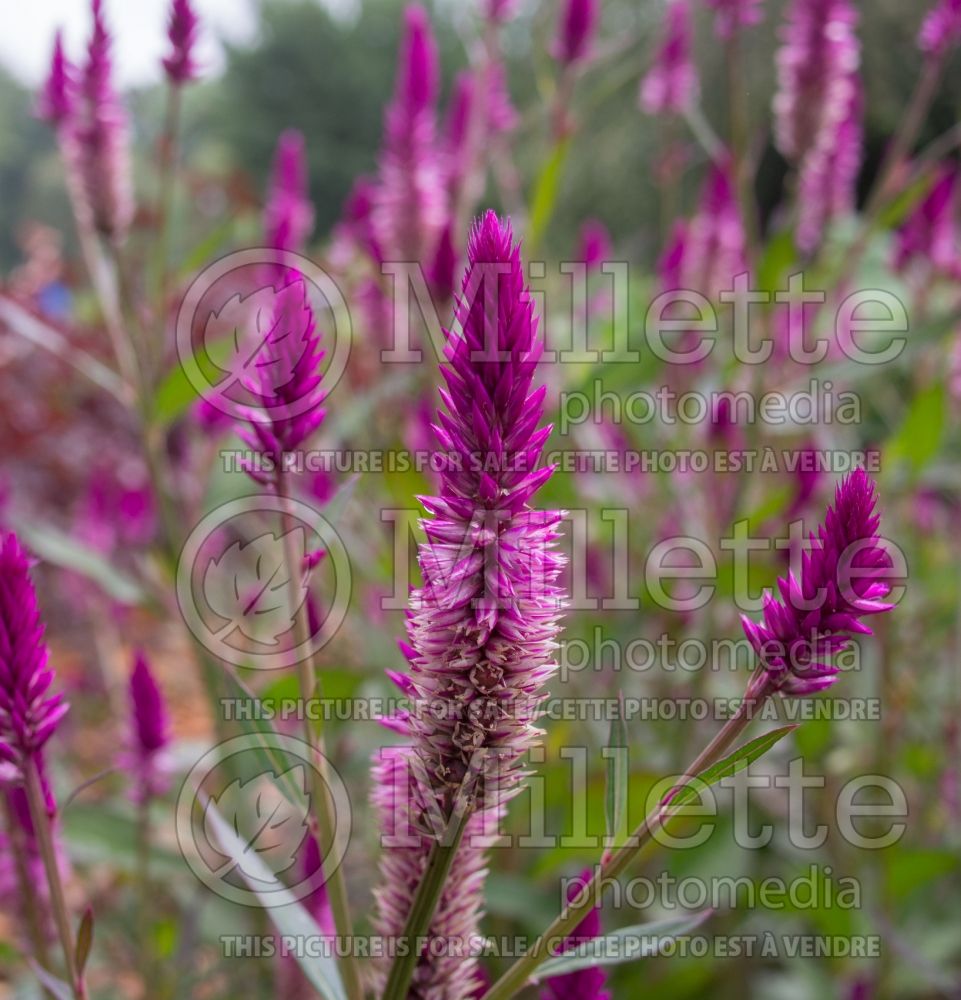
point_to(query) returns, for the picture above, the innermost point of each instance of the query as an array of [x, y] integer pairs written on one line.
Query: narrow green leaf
[[545, 194], [625, 945], [289, 917], [918, 439], [54, 546], [735, 761], [618, 770], [84, 940]]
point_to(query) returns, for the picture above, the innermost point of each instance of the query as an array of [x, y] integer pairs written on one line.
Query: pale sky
[[138, 27]]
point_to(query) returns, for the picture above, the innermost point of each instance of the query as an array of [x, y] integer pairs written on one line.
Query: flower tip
[[418, 68]]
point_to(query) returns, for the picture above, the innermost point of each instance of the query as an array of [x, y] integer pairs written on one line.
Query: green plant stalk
[[422, 909], [320, 801], [58, 903], [38, 940], [614, 863]]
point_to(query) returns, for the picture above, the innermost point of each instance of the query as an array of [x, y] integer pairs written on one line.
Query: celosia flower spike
[[842, 579], [575, 30], [182, 33], [289, 215], [29, 714], [482, 630], [56, 102], [104, 155], [151, 732], [671, 85], [411, 207], [818, 109]]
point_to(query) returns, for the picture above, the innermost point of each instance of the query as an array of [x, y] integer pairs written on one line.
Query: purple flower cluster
[[286, 382], [818, 109], [482, 629], [100, 127], [843, 578], [671, 85], [144, 761], [29, 714], [180, 65], [410, 204], [929, 236], [289, 214], [56, 103], [940, 29], [708, 251], [575, 30]]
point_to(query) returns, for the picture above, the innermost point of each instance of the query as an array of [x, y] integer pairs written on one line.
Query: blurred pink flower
[[101, 131], [941, 28], [289, 213], [410, 206], [182, 33], [671, 85], [817, 110]]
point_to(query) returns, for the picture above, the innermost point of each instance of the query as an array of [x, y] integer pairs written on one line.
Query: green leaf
[[919, 437], [776, 261], [731, 764], [625, 945], [54, 546], [545, 194], [176, 394], [289, 917], [618, 774], [84, 940], [255, 722]]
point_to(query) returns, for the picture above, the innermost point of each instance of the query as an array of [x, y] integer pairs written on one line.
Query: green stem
[[431, 886], [58, 903], [28, 896], [613, 864], [320, 798]]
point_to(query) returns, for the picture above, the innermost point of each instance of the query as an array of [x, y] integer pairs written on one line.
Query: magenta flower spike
[[818, 109], [929, 236], [56, 102], [286, 381], [575, 30], [101, 133], [151, 732], [490, 602], [707, 252], [940, 29], [182, 27], [671, 85], [411, 205], [482, 630], [842, 579], [289, 215], [29, 714], [585, 984], [733, 15]]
